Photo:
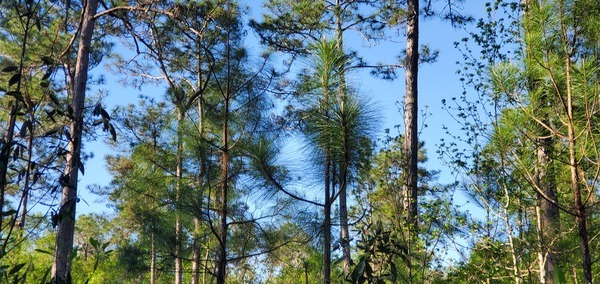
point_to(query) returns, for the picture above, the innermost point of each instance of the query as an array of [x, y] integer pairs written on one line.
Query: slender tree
[[545, 177], [64, 237], [411, 107]]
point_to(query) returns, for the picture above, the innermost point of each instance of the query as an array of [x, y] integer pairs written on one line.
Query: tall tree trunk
[[196, 252], [509, 232], [222, 265], [224, 182], [7, 143], [344, 230], [206, 260], [549, 212], [580, 211], [61, 266], [152, 258], [178, 173], [549, 218], [411, 143], [197, 221], [28, 181], [540, 252], [343, 206], [327, 222], [5, 155], [305, 272]]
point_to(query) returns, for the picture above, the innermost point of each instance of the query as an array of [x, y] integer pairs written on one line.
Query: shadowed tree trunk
[[544, 173], [327, 222], [61, 267], [410, 112]]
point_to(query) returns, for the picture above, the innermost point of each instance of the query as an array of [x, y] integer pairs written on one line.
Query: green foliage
[[378, 247]]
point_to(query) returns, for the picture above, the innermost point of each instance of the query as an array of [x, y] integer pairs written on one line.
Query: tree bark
[[343, 206], [580, 211], [7, 143], [61, 266], [411, 142], [222, 265], [178, 173], [344, 228], [327, 222], [549, 218], [224, 182], [28, 181], [5, 156], [549, 212], [196, 252], [152, 258]]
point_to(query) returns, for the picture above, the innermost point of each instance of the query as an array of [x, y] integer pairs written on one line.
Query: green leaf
[[48, 73], [104, 114], [10, 69], [16, 95], [14, 79], [559, 276], [73, 254], [53, 98], [94, 243], [9, 212], [45, 277], [47, 60], [52, 131], [359, 269], [16, 269], [43, 251], [97, 109], [113, 133]]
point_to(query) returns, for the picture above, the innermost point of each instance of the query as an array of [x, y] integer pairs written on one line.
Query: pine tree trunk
[[5, 156], [327, 223], [28, 180], [7, 143], [540, 252], [179, 174], [152, 258], [196, 252], [549, 212], [343, 206], [224, 182], [206, 260], [222, 265], [344, 229], [549, 218], [580, 212], [411, 113], [61, 266]]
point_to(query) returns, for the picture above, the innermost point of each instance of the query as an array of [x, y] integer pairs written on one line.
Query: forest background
[[216, 173]]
